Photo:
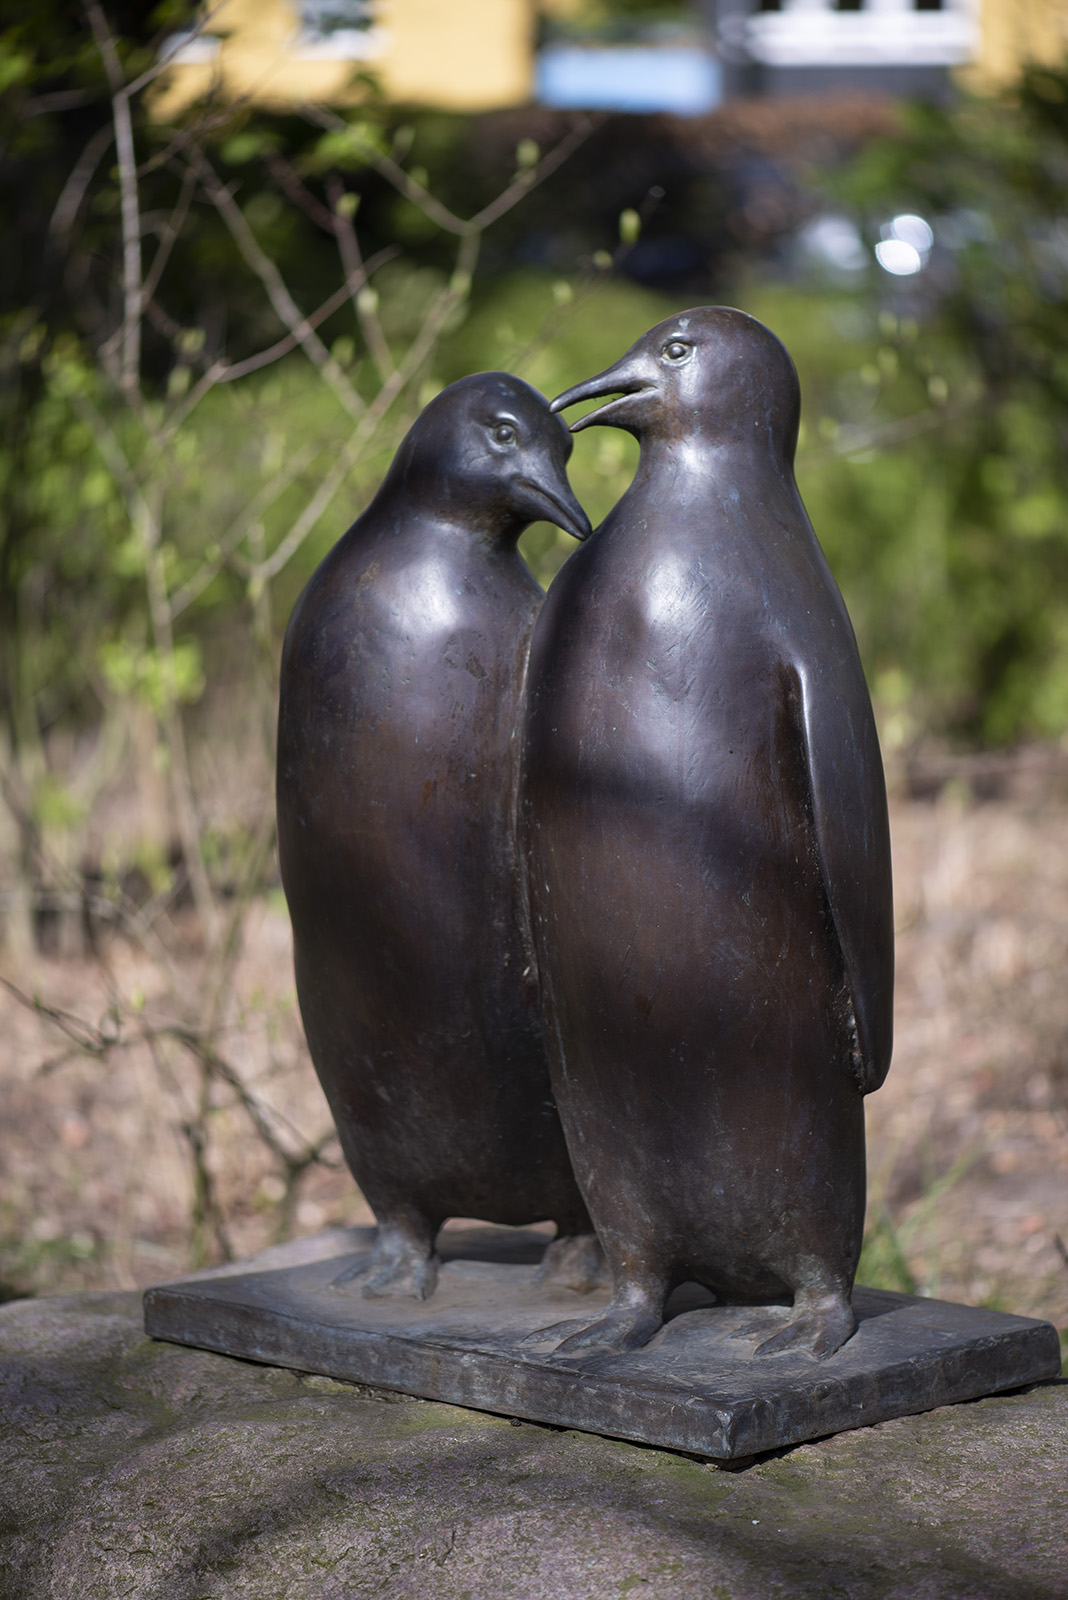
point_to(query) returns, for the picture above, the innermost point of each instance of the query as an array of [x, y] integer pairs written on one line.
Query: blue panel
[[680, 79]]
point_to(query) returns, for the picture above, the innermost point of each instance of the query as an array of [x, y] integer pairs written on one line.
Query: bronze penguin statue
[[401, 690], [705, 825]]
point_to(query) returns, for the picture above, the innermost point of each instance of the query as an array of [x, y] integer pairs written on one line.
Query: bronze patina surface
[[633, 840], [401, 693], [705, 824], [694, 1387]]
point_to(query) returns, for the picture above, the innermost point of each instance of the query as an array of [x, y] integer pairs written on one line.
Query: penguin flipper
[[848, 796]]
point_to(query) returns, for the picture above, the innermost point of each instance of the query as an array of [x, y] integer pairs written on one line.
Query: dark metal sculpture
[[701, 814], [706, 832], [398, 751]]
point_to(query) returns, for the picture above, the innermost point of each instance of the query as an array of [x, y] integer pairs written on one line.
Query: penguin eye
[[505, 433], [676, 350]]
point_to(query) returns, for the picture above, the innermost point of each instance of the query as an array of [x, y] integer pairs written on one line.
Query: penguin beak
[[556, 504], [628, 379]]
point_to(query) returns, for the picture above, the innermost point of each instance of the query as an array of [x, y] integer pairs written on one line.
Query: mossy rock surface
[[130, 1468]]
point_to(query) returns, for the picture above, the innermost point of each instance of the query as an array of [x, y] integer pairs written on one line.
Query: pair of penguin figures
[[591, 892]]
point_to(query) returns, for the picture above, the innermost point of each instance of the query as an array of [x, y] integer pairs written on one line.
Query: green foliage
[[54, 805], [935, 425], [30, 1264], [347, 149], [135, 669], [88, 563], [890, 1247], [937, 474], [943, 510]]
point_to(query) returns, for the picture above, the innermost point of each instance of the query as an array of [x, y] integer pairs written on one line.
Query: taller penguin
[[706, 832], [398, 751]]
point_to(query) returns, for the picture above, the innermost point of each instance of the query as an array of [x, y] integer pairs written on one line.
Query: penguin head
[[488, 454], [712, 372]]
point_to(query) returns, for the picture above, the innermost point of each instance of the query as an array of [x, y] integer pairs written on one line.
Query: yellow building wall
[[459, 55], [464, 55], [1015, 34]]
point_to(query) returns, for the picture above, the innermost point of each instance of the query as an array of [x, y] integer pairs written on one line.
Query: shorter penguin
[[398, 752], [706, 833]]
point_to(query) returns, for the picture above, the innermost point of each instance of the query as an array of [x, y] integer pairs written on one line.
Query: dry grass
[[968, 1141]]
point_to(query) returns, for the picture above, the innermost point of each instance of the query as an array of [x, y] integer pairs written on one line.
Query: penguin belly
[[701, 1040], [694, 992], [396, 836]]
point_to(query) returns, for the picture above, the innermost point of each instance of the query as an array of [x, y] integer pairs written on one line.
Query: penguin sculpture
[[705, 826], [398, 750]]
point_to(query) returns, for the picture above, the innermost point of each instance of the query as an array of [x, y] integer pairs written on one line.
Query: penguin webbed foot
[[574, 1261], [399, 1264], [615, 1330], [824, 1324], [417, 1278]]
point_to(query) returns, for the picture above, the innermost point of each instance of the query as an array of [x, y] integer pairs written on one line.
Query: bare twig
[[130, 368], [212, 375], [169, 236], [122, 910], [431, 207], [77, 183], [352, 261], [291, 184], [395, 174], [145, 522], [165, 60], [42, 105], [193, 133], [351, 287], [125, 1030], [147, 526], [584, 287], [440, 312], [183, 597], [207, 1218], [852, 441], [287, 548], [282, 301], [114, 457], [230, 942], [220, 372], [74, 190], [89, 1039], [264, 1118], [537, 174]]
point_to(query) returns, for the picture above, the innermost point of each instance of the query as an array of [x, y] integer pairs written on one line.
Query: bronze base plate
[[695, 1387]]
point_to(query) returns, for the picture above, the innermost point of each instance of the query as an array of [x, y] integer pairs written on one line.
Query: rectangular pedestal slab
[[697, 1386]]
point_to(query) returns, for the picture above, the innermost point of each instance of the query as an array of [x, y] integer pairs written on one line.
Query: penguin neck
[[428, 504], [669, 465]]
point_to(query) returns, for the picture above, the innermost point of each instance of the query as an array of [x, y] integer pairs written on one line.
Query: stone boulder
[[140, 1469]]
